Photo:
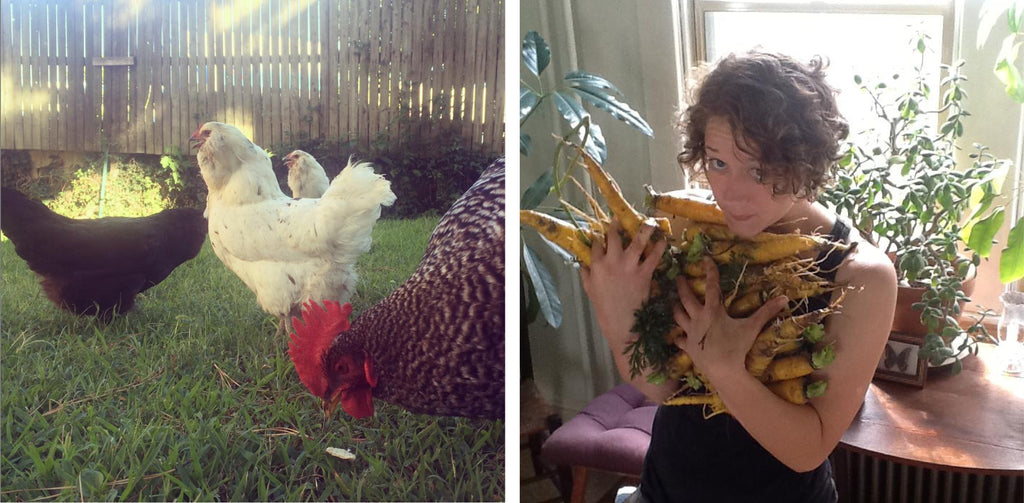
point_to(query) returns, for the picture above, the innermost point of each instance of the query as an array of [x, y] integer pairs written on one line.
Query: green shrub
[[427, 173], [136, 185]]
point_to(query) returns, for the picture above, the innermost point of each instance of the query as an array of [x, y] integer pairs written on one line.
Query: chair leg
[[579, 484]]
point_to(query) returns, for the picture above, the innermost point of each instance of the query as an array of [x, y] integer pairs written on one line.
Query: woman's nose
[[740, 185]]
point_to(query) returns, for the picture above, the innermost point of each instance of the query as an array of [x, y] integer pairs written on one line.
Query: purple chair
[[610, 434]]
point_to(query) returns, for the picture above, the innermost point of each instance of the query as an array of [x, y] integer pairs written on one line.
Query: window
[[855, 39]]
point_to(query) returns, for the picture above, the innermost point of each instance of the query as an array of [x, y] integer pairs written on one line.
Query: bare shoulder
[[870, 296], [869, 268]]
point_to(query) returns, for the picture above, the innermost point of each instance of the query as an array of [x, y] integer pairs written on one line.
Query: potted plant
[[538, 294], [908, 191]]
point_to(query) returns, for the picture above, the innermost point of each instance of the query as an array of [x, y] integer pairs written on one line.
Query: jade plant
[[907, 189]]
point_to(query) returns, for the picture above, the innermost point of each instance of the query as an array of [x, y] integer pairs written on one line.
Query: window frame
[[694, 18]]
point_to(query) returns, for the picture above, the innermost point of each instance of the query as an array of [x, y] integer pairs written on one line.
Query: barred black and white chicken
[[435, 345]]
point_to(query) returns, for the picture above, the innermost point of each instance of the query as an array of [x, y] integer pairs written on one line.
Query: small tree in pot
[[908, 192]]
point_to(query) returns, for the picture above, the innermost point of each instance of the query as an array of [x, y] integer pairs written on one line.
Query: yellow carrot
[[716, 232], [707, 399], [599, 213], [679, 365], [785, 246], [746, 303], [793, 390], [629, 218], [567, 237], [776, 336], [788, 367], [675, 203]]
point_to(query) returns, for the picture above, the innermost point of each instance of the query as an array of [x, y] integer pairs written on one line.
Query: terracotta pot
[[908, 319]]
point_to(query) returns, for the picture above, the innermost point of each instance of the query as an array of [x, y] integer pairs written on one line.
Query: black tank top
[[692, 459]]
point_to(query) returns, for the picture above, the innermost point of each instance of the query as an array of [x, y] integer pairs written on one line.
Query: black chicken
[[97, 267], [436, 344]]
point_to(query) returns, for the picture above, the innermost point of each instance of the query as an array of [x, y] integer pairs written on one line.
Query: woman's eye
[[717, 164]]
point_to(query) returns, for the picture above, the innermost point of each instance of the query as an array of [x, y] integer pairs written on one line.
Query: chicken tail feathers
[[359, 185], [19, 214], [351, 207]]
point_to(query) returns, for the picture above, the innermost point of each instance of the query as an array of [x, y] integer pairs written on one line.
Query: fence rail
[[138, 76]]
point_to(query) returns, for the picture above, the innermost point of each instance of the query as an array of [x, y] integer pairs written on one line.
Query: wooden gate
[[138, 76]]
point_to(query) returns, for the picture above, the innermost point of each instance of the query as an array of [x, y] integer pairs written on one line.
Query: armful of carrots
[[751, 271]]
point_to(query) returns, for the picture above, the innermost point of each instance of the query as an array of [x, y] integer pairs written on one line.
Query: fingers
[[598, 249], [768, 311], [639, 243], [653, 258], [682, 319], [687, 298]]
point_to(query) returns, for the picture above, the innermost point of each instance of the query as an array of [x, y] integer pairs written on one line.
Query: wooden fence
[[139, 76]]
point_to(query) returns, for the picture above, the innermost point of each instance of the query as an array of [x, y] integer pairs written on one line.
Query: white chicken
[[286, 251], [306, 177]]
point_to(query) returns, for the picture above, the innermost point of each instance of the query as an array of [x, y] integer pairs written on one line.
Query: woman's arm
[[800, 436], [617, 283]]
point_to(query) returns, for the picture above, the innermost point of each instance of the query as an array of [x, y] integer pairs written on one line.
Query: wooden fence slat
[[52, 113], [471, 72], [37, 63], [498, 98], [6, 68], [179, 86], [328, 65], [352, 66], [235, 86]]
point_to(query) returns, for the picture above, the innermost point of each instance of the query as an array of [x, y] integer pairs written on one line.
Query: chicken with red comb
[[435, 345]]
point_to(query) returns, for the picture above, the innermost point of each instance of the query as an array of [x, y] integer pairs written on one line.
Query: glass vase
[[1011, 333]]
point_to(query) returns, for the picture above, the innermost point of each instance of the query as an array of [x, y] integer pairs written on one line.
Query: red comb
[[312, 338]]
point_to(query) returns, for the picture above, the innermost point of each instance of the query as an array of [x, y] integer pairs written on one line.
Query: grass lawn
[[189, 397]]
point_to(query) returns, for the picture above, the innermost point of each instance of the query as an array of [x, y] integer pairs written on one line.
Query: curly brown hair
[[785, 112]]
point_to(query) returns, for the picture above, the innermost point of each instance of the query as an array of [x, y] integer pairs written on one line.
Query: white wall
[[631, 43]]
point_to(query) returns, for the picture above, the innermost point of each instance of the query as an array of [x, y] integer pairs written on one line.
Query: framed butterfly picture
[[901, 361]]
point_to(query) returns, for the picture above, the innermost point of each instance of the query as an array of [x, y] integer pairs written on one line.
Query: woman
[[765, 131]]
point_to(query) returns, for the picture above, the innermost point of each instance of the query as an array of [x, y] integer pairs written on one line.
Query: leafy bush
[[427, 173], [136, 185]]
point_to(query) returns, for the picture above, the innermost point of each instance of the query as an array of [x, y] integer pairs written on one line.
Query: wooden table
[[960, 438]]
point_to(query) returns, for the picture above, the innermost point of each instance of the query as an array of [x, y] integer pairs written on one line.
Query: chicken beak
[[329, 405]]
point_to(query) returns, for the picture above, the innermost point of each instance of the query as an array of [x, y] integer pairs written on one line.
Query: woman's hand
[[619, 279], [717, 342]]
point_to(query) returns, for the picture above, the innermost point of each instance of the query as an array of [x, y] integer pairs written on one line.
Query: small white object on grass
[[340, 453]]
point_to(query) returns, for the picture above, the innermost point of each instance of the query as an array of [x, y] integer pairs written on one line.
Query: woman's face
[[749, 205]]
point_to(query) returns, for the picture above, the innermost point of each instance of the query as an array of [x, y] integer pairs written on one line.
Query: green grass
[[189, 397]]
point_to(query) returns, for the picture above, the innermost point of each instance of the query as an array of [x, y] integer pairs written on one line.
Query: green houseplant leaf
[[598, 92], [537, 191], [574, 113], [1011, 265], [544, 287], [536, 53], [984, 231]]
